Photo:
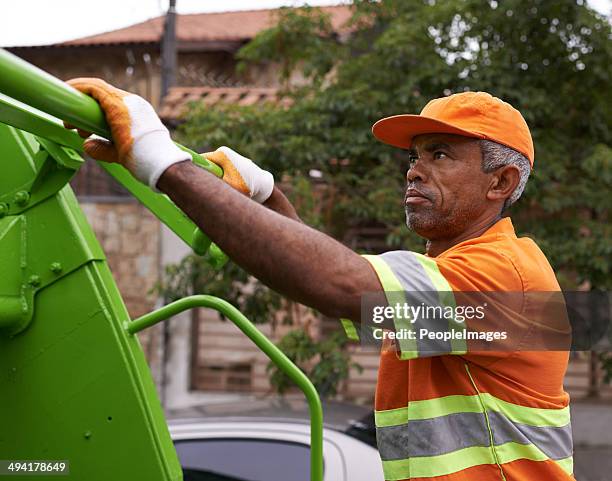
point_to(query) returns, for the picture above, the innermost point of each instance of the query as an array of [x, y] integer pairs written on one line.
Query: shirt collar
[[503, 227]]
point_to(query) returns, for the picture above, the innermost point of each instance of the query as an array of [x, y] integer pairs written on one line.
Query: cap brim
[[399, 130]]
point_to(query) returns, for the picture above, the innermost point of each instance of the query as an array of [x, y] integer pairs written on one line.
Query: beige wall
[[134, 69], [221, 344], [138, 68]]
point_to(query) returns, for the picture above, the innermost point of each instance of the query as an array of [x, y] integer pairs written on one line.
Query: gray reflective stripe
[[427, 346], [555, 442], [431, 437], [425, 286], [447, 298], [408, 271], [419, 290], [446, 434], [395, 295]]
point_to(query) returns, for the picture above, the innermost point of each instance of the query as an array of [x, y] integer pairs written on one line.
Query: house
[[136, 244], [192, 358], [130, 57]]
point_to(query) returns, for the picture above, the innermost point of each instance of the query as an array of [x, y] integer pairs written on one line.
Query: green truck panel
[[74, 382]]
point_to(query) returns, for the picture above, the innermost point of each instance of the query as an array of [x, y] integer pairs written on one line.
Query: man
[[444, 413]]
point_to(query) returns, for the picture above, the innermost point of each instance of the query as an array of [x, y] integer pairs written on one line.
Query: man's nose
[[416, 172]]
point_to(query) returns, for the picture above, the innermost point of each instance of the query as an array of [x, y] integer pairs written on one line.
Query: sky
[[39, 22], [36, 22]]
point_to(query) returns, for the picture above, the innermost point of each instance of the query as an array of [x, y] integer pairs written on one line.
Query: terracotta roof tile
[[175, 103], [203, 27]]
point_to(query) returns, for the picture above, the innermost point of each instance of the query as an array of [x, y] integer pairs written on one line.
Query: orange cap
[[471, 114]]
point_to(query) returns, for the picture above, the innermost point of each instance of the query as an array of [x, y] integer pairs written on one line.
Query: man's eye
[[439, 155], [412, 159]]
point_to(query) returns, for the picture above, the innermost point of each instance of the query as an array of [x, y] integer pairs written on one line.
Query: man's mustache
[[412, 190]]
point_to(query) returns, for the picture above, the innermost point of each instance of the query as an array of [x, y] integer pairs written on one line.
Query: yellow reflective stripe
[[542, 417], [394, 292], [430, 466], [350, 329], [432, 408], [427, 409], [566, 464], [387, 279], [431, 268], [512, 451], [447, 298]]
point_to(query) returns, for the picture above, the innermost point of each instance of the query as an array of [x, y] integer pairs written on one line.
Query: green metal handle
[[41, 90], [263, 343], [33, 86], [33, 100]]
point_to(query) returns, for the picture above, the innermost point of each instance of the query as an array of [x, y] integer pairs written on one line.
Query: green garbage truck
[[76, 394]]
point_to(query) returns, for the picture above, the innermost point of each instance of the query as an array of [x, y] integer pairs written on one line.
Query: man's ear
[[503, 182]]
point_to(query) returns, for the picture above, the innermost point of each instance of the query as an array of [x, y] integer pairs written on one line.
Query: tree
[[551, 60]]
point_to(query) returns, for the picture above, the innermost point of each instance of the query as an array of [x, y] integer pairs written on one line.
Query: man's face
[[446, 187]]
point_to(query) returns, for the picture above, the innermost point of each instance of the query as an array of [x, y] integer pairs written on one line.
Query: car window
[[243, 460]]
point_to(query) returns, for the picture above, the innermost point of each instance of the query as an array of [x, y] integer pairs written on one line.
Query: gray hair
[[496, 155]]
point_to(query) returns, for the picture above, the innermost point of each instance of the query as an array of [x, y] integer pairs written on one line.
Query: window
[[243, 460]]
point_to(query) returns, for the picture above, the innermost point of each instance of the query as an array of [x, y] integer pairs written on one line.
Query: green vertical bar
[[75, 386]]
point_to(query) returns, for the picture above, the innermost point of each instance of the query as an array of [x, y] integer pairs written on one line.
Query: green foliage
[[301, 37], [325, 363], [193, 275], [551, 60]]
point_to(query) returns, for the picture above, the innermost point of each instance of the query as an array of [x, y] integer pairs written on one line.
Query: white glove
[[141, 143], [243, 174]]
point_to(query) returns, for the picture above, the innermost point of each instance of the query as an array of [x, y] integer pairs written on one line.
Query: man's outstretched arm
[[290, 257]]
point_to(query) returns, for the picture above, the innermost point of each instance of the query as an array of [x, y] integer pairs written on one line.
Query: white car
[[269, 441]]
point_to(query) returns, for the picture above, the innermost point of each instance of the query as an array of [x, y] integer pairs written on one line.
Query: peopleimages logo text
[[411, 312]]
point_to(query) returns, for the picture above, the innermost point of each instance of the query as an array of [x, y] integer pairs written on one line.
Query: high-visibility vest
[[453, 413]]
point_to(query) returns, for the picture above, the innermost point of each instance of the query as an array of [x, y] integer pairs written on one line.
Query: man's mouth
[[414, 196]]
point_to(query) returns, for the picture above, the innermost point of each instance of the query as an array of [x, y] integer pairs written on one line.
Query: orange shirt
[[466, 414]]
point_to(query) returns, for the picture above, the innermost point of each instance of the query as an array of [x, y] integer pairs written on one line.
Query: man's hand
[[141, 143], [243, 174], [246, 177]]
